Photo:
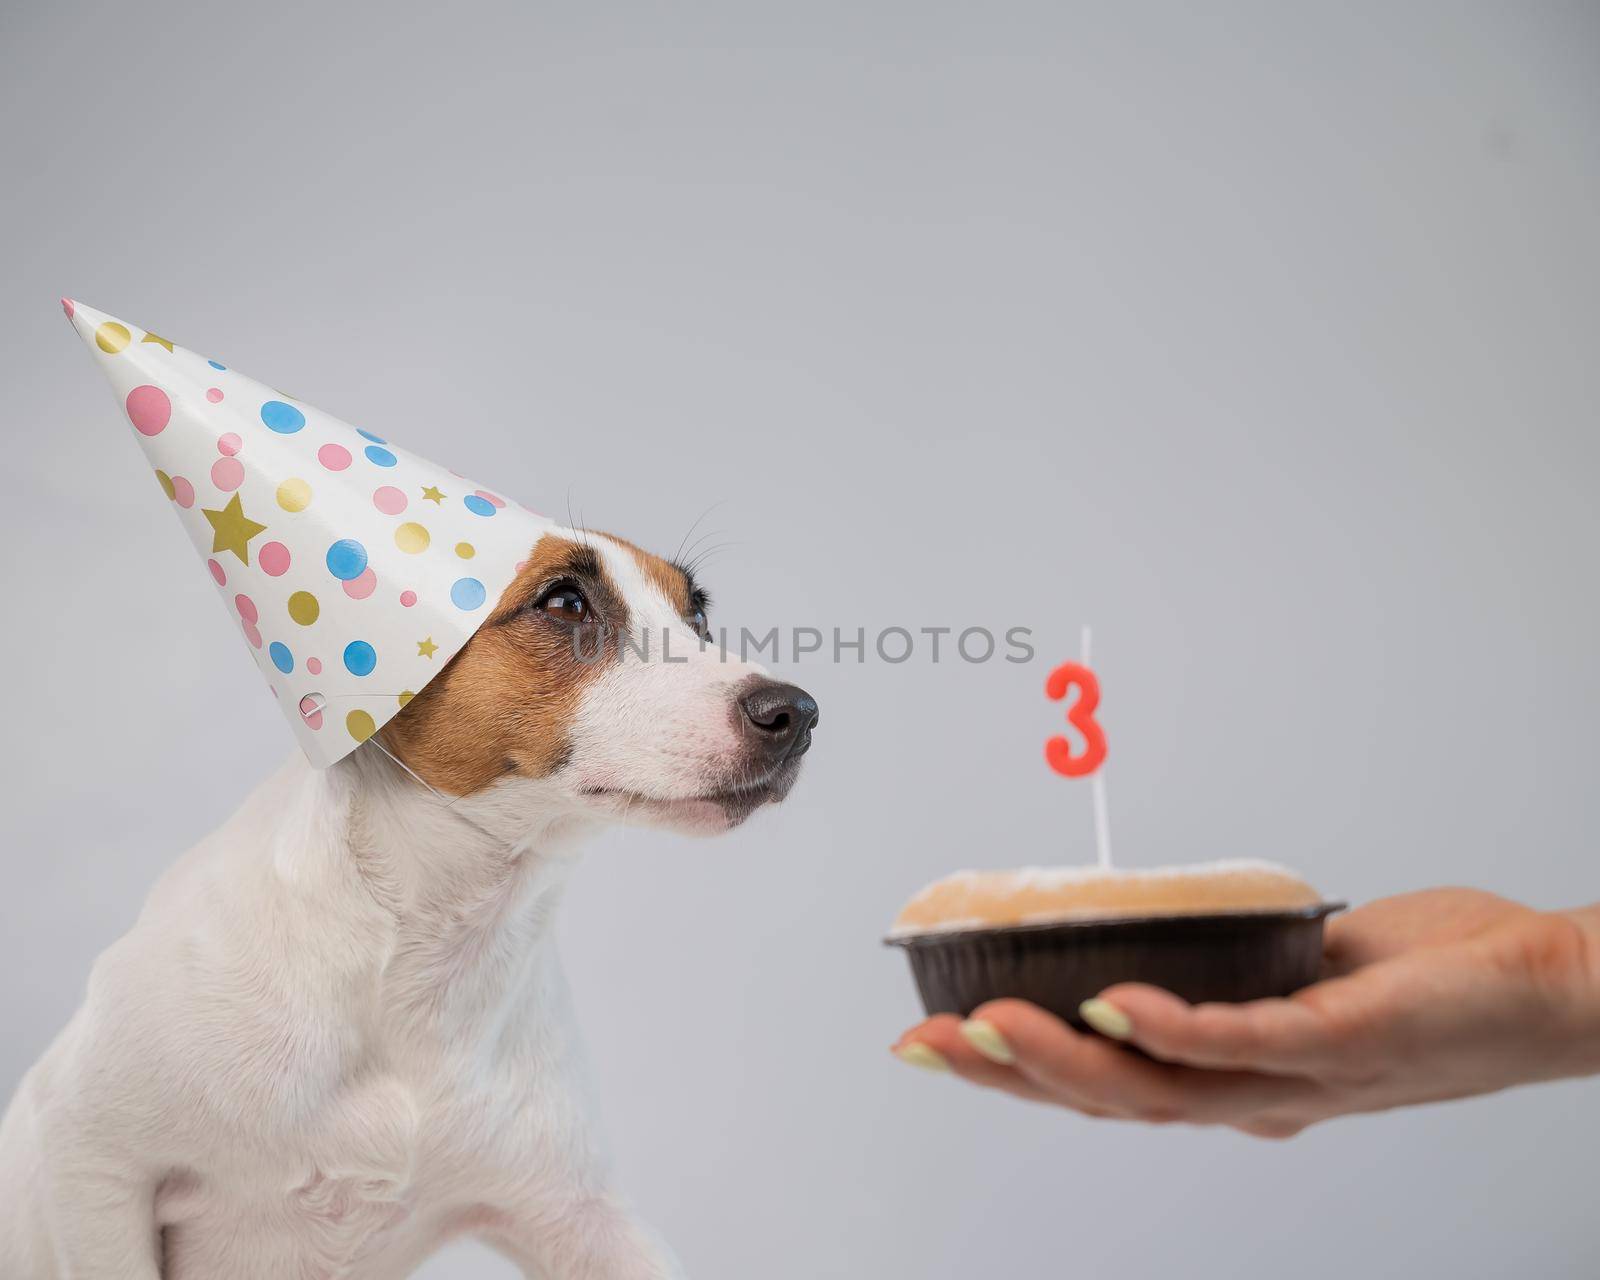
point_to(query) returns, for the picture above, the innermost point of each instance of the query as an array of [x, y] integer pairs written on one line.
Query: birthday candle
[[1088, 763]]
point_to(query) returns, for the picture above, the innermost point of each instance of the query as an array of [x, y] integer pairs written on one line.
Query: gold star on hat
[[231, 529]]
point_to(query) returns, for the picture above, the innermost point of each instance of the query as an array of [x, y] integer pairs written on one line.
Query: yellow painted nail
[[922, 1055], [985, 1037], [1107, 1019]]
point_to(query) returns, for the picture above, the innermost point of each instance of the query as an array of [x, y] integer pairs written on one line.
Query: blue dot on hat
[[467, 593], [281, 657], [382, 457], [360, 658], [347, 559], [478, 506], [215, 365], [365, 434], [285, 419]]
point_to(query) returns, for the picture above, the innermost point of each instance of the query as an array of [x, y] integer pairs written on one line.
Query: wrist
[[1586, 986]]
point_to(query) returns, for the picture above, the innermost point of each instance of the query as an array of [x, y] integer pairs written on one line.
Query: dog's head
[[590, 687]]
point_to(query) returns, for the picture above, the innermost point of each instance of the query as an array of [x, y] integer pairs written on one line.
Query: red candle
[[1058, 750]]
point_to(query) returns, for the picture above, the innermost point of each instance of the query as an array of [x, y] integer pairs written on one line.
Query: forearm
[[1588, 917]]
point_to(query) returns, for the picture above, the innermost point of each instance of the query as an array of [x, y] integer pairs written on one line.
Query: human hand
[[1440, 994]]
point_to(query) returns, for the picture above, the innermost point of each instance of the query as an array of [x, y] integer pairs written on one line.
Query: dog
[[338, 1035]]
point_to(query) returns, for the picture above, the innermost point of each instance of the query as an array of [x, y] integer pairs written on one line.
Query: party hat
[[356, 570]]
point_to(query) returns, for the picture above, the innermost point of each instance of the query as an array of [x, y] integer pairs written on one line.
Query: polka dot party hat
[[355, 570]]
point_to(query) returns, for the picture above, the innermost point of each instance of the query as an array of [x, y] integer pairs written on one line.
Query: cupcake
[[1057, 936]]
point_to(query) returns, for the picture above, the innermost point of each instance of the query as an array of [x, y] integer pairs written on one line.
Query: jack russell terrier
[[338, 1035]]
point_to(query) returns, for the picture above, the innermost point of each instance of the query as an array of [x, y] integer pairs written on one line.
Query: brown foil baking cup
[[1232, 956]]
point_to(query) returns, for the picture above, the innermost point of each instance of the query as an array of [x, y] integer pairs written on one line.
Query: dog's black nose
[[782, 716]]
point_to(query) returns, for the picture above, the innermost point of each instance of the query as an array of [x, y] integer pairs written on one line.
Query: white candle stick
[[1097, 788]]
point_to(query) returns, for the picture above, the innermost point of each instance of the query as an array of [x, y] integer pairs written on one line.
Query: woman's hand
[[1433, 995]]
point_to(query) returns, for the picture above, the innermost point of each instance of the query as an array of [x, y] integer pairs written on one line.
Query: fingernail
[[921, 1055], [987, 1040], [1106, 1018]]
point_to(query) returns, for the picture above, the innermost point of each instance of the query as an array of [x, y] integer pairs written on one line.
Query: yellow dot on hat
[[303, 608], [294, 495], [111, 337], [361, 725], [167, 487], [465, 550], [411, 538], [406, 697]]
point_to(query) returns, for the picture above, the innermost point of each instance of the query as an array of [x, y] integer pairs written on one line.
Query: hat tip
[[69, 306]]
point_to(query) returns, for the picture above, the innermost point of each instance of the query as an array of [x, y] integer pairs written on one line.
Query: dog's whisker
[[705, 557], [576, 523], [690, 549], [682, 547]]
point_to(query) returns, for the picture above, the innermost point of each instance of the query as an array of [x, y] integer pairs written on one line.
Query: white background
[[1265, 340]]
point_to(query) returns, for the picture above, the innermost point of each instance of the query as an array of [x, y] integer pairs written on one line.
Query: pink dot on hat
[[182, 492], [227, 474], [149, 409], [389, 500], [68, 306], [408, 598], [251, 633], [334, 456], [228, 444], [274, 559], [314, 666], [217, 573], [311, 709], [247, 608], [362, 585], [492, 499], [214, 394]]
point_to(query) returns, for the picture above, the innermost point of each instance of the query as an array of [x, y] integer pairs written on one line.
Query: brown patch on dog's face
[[505, 704]]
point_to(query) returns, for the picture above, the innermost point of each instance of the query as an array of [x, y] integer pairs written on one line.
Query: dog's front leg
[[103, 1227], [593, 1238]]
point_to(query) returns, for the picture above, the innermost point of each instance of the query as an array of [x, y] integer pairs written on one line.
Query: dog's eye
[[699, 607], [565, 603]]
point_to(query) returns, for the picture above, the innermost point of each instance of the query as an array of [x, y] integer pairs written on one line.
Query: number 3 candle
[[1087, 763]]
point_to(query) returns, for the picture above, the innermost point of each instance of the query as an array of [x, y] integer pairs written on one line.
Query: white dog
[[338, 1034]]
